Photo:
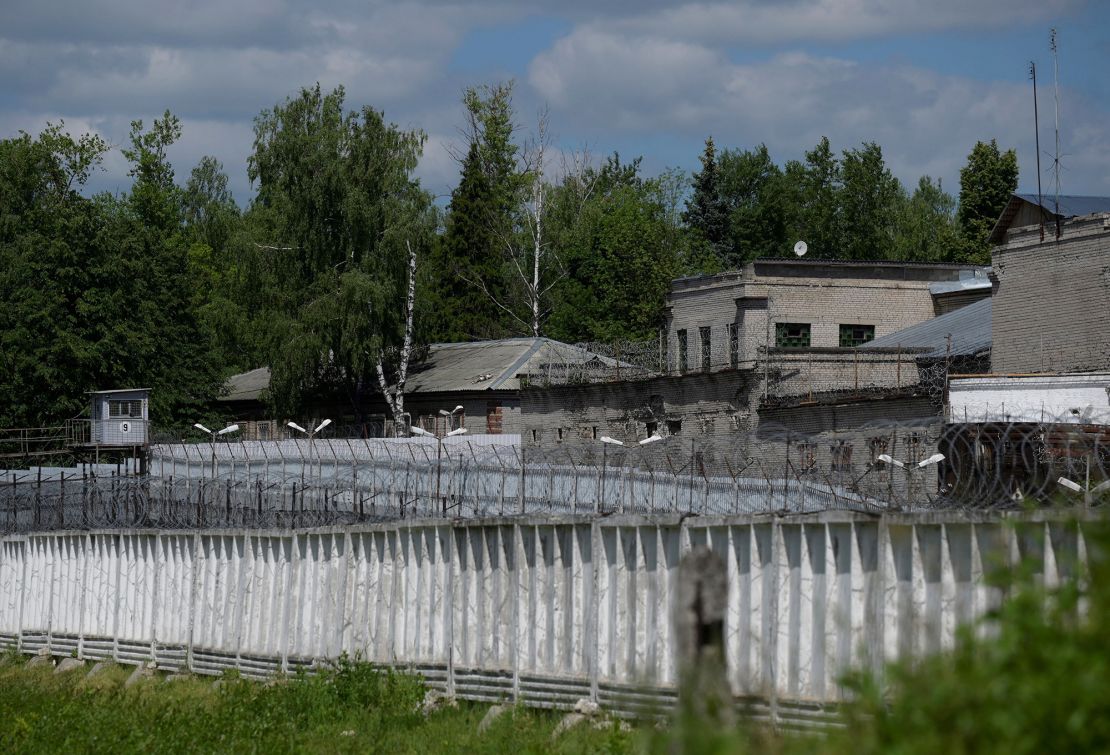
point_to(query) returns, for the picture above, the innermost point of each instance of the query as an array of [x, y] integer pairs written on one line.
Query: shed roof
[[457, 367], [1071, 206], [970, 328]]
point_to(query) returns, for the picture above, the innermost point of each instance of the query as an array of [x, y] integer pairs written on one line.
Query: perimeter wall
[[546, 610]]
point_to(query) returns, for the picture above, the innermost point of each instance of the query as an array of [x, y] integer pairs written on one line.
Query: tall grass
[[349, 708]]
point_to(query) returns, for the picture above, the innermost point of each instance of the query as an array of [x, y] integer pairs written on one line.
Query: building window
[[535, 436], [705, 334], [733, 345], [856, 335], [594, 431], [132, 408], [807, 457], [877, 447], [651, 427], [841, 457], [683, 354], [792, 335], [913, 448], [674, 426], [559, 435]]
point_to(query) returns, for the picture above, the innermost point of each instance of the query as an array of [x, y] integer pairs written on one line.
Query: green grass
[[350, 708]]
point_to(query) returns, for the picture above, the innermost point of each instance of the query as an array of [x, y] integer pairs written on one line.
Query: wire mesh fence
[[302, 483]]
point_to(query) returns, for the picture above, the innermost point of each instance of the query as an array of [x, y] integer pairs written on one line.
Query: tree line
[[173, 285]]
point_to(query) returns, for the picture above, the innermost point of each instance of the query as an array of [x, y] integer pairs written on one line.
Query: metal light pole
[[909, 468], [214, 434], [311, 440]]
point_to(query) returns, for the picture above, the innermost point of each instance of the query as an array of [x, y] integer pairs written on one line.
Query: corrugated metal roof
[[455, 367], [247, 386], [970, 280], [970, 328]]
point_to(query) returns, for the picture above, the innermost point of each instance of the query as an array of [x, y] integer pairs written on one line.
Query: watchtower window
[[705, 334], [129, 408], [683, 353], [856, 335], [792, 335]]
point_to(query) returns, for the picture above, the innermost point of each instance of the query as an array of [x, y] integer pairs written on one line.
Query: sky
[[925, 79]]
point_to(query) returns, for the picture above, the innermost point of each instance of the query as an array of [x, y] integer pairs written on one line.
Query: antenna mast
[[1037, 137], [1056, 159]]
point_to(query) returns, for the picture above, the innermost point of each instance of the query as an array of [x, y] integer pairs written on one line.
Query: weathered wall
[[889, 296], [545, 610], [1052, 299], [425, 412]]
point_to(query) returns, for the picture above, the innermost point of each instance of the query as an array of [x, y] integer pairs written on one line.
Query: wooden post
[[704, 693]]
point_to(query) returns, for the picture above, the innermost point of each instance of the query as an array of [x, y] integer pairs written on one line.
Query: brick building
[[1052, 298], [724, 320]]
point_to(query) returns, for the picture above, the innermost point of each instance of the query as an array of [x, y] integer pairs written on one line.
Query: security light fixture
[[295, 426], [419, 431], [228, 429], [610, 441], [653, 438], [1070, 485], [458, 431], [321, 426], [446, 413], [887, 459], [202, 428], [934, 459]]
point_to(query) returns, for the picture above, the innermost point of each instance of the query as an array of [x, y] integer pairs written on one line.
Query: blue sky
[[924, 79]]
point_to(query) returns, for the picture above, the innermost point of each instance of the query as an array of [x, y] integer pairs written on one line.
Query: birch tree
[[395, 394]]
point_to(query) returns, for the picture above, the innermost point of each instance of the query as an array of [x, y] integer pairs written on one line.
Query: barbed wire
[[907, 466]]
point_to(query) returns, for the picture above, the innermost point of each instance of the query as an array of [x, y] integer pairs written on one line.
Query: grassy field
[[352, 708]]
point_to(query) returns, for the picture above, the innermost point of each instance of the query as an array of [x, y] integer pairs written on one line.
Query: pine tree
[[706, 214], [986, 184], [468, 261]]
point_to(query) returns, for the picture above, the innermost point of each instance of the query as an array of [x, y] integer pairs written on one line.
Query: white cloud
[[926, 122]]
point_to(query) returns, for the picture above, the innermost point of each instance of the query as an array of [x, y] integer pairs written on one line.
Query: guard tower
[[120, 418]]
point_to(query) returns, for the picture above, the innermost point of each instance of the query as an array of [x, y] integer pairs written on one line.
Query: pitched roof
[[1071, 206], [457, 367], [969, 327]]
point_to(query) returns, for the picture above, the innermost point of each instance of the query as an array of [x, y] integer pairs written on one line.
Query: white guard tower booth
[[120, 418]]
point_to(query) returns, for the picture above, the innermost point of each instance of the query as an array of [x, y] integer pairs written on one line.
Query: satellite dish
[[800, 248]]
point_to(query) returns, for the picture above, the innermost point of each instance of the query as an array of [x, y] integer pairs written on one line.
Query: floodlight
[[201, 427], [610, 441], [934, 459], [1070, 485], [458, 431], [323, 424], [228, 429], [295, 426], [653, 438], [1104, 485], [887, 459], [418, 431]]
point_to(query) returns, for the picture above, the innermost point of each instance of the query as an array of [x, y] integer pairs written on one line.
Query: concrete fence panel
[[542, 609]]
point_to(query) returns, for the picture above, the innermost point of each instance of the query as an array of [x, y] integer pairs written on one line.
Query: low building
[[474, 385], [725, 320]]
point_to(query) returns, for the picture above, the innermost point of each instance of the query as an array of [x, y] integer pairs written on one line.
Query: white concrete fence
[[545, 610]]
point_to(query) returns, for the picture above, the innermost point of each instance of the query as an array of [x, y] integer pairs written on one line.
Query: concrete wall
[[1052, 298], [545, 610]]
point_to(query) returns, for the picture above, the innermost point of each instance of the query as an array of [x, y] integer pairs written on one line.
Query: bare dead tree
[[395, 395]]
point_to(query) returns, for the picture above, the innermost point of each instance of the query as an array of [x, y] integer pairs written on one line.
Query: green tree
[[619, 254], [927, 230], [870, 199], [338, 200], [986, 183], [815, 184], [753, 190], [706, 214]]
